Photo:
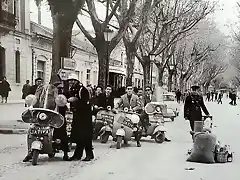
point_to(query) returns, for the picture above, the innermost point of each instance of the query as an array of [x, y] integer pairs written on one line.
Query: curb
[[13, 131]]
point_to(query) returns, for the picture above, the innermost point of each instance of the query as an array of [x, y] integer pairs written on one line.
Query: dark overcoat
[[192, 107], [5, 88], [82, 129]]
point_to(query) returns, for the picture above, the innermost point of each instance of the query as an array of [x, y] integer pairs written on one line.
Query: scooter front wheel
[[35, 157], [119, 142]]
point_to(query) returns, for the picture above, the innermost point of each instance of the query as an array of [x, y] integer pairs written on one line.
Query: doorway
[[2, 62]]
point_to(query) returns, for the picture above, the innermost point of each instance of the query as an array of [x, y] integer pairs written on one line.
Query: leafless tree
[[170, 21], [123, 11]]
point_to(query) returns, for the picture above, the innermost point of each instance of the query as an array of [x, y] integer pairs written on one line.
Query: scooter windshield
[[43, 117]]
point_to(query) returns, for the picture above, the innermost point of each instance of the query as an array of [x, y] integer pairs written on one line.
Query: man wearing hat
[[193, 105], [82, 130], [33, 88]]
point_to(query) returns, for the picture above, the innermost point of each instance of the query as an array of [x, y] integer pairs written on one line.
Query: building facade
[[25, 52]]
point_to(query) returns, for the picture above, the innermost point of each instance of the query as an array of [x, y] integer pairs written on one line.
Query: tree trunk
[[160, 76], [103, 62], [130, 53], [170, 81], [62, 34], [181, 84], [146, 74]]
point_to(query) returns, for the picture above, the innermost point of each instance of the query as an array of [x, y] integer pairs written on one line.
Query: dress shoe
[[87, 159], [27, 158], [138, 144], [74, 158], [167, 140]]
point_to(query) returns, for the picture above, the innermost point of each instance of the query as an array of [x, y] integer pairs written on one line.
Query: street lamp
[[152, 58], [108, 35]]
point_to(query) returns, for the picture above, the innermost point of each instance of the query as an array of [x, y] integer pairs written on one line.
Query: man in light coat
[[129, 100]]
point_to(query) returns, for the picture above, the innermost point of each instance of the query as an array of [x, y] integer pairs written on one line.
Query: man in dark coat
[[178, 95], [26, 90], [106, 99], [33, 88], [82, 130], [193, 105], [94, 101], [5, 88]]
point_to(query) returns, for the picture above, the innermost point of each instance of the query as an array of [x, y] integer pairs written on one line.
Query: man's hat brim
[[38, 79]]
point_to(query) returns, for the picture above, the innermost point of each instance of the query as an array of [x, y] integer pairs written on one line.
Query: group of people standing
[[214, 96]]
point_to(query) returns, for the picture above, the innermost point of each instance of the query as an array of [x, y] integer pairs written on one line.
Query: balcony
[[7, 21]]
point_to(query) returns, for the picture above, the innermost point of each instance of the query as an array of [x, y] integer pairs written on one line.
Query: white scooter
[[125, 125]]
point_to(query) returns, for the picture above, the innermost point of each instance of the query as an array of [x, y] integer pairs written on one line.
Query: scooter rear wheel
[[35, 157], [119, 142]]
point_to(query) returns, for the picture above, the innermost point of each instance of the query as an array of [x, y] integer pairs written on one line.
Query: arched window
[[17, 66], [40, 69]]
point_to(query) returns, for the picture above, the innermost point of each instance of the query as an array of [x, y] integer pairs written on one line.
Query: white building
[[15, 51], [25, 52]]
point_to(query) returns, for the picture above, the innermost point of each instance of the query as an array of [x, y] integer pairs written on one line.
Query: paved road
[[165, 161]]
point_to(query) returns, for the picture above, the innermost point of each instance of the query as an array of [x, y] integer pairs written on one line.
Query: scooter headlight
[[126, 109], [42, 116], [105, 123], [158, 109]]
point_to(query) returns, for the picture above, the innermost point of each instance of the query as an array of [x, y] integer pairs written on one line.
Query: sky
[[225, 15]]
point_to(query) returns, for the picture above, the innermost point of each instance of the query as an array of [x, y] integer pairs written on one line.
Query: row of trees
[[169, 29]]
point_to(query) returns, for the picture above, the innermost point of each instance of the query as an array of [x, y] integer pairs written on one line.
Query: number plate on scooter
[[39, 131], [157, 116]]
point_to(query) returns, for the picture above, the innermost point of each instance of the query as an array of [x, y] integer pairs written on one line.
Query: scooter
[[125, 126], [104, 124], [40, 134], [156, 130]]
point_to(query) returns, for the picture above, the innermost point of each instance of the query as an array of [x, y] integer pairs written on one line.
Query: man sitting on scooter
[[106, 99], [147, 98], [131, 101]]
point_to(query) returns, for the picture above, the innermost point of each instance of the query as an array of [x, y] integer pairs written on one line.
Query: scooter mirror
[[30, 100]]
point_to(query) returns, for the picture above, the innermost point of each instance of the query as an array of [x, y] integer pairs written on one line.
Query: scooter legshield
[[159, 128], [37, 145], [120, 132]]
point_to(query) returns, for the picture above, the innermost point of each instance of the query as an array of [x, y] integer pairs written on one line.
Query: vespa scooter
[[156, 119]]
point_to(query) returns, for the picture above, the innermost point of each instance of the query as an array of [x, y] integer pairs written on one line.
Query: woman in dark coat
[[82, 129], [193, 105], [5, 88]]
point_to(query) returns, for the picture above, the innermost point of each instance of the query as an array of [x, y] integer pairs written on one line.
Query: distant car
[[172, 105]]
